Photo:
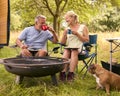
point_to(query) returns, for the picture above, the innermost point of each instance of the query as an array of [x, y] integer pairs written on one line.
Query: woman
[[73, 37]]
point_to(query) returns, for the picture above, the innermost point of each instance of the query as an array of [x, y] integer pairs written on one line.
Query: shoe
[[70, 76], [62, 76]]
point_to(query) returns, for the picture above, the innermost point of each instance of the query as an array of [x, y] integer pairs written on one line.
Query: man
[[33, 39]]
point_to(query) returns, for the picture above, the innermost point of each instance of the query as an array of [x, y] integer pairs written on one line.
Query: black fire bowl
[[35, 66]]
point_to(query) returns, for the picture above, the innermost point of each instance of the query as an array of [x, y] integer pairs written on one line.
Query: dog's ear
[[99, 69], [92, 66]]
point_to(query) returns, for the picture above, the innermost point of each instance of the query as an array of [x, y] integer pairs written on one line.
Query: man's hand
[[25, 52], [51, 29], [23, 46]]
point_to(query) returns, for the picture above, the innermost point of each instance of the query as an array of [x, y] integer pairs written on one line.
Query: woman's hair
[[38, 17], [73, 15]]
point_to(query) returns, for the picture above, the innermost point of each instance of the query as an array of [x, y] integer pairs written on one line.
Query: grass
[[42, 86]]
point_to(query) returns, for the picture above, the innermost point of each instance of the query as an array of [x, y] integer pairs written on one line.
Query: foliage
[[115, 3], [26, 10], [107, 21], [15, 24], [15, 19], [84, 9]]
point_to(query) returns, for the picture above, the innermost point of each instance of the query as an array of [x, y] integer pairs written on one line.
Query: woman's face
[[69, 20]]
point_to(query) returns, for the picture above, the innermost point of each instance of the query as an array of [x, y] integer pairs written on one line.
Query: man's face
[[42, 21]]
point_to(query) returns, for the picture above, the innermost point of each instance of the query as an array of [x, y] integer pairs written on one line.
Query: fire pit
[[35, 67]]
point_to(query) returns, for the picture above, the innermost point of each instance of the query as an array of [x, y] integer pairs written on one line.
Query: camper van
[[4, 23]]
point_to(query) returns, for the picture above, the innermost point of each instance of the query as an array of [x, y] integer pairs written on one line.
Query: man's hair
[[38, 17]]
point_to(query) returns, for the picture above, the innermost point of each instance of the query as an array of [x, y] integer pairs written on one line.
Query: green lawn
[[42, 86]]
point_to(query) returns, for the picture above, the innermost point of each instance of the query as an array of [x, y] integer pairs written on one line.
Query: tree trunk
[[56, 24]]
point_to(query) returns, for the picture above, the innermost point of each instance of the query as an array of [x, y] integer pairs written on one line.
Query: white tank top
[[73, 41]]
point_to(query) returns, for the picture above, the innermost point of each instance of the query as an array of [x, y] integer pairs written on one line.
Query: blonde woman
[[73, 37]]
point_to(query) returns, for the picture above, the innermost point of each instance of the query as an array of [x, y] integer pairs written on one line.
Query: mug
[[44, 27], [69, 31]]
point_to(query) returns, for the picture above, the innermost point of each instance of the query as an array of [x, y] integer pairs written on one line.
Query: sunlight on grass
[[104, 46]]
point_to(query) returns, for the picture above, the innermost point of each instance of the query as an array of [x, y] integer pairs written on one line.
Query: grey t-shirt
[[34, 38]]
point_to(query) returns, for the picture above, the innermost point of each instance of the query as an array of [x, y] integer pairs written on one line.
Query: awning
[[4, 22]]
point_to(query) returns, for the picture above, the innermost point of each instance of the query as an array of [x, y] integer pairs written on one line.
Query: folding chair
[[90, 55]]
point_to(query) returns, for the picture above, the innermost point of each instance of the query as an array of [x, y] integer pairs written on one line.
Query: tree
[[109, 21], [54, 10], [31, 8]]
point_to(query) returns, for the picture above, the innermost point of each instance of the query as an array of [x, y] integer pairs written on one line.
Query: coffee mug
[[44, 27], [69, 31]]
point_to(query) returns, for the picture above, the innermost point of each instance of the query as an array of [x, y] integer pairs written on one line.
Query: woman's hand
[[75, 32]]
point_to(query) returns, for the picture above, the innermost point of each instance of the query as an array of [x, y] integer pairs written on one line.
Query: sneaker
[[62, 76], [70, 76]]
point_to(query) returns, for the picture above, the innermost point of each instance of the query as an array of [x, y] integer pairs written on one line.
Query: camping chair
[[89, 55]]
